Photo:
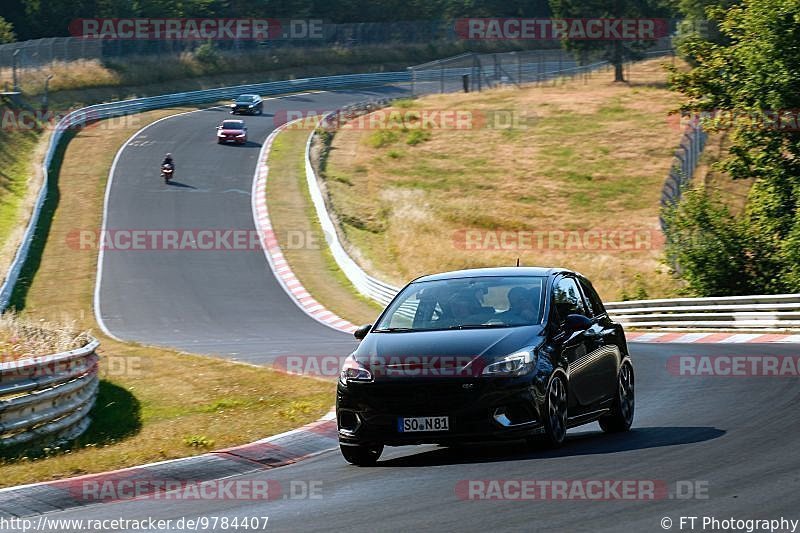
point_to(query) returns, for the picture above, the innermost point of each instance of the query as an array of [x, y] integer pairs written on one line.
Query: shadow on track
[[589, 443], [173, 183]]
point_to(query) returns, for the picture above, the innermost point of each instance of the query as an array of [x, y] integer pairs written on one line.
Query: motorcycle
[[167, 170]]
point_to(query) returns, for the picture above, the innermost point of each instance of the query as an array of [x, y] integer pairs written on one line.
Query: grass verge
[[584, 154], [21, 150], [300, 236], [211, 403]]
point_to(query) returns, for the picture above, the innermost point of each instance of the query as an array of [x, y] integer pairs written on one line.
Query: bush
[[207, 54], [416, 137], [381, 138], [708, 246]]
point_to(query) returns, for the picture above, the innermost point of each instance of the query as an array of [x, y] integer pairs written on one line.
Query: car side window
[[567, 299], [593, 299]]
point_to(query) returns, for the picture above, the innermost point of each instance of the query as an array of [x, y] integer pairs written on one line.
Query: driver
[[521, 305], [168, 160], [462, 310]]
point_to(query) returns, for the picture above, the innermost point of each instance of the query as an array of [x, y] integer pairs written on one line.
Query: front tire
[[555, 422], [362, 455], [621, 416]]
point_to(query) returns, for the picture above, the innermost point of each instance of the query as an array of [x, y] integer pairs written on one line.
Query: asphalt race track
[[733, 437], [206, 301]]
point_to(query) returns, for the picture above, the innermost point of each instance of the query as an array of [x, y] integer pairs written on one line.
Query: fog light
[[349, 421]]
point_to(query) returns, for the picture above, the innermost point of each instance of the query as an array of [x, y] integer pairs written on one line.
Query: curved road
[[734, 437], [214, 302]]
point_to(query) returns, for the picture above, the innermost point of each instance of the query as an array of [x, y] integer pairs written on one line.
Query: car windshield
[[464, 303], [232, 125], [246, 99]]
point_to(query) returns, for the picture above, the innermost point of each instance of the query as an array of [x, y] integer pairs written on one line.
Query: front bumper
[[230, 139], [478, 410]]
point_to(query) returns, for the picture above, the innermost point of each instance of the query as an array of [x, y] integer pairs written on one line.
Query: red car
[[232, 131]]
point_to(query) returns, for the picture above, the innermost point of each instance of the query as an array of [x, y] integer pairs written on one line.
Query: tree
[[616, 51], [751, 78], [6, 31]]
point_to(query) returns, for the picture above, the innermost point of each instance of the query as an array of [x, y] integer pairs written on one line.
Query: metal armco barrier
[[365, 284], [48, 398], [83, 116], [775, 312], [683, 166]]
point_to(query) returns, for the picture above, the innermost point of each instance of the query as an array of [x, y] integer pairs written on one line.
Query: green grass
[[16, 166]]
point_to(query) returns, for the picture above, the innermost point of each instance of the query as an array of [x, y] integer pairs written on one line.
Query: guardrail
[[771, 312], [83, 116], [367, 285], [47, 398], [684, 164]]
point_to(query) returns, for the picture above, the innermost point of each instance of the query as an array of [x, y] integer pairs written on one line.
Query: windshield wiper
[[479, 326], [393, 330]]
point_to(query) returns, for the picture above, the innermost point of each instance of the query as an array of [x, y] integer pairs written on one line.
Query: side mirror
[[362, 331], [577, 323]]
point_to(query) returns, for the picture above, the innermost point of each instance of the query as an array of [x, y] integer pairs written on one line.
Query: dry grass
[[23, 338], [293, 217], [588, 154], [218, 404], [130, 74]]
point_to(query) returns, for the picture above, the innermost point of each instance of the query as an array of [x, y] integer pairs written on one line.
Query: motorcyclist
[[168, 161]]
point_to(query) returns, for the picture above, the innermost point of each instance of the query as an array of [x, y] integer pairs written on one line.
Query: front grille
[[429, 397]]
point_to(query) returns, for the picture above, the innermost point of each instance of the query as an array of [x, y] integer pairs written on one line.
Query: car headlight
[[240, 134], [515, 364], [352, 370]]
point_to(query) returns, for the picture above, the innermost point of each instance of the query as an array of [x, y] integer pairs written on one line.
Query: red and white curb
[[277, 262], [211, 475], [712, 338]]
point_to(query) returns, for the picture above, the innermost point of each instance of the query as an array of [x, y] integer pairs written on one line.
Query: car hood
[[450, 347]]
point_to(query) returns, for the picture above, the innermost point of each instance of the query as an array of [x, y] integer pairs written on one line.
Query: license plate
[[423, 423]]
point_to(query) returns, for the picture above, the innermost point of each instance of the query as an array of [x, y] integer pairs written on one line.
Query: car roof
[[247, 96], [495, 271]]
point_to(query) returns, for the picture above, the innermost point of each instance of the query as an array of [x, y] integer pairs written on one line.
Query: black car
[[494, 353], [250, 104]]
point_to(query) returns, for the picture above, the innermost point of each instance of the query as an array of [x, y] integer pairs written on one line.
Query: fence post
[[14, 69], [441, 71]]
